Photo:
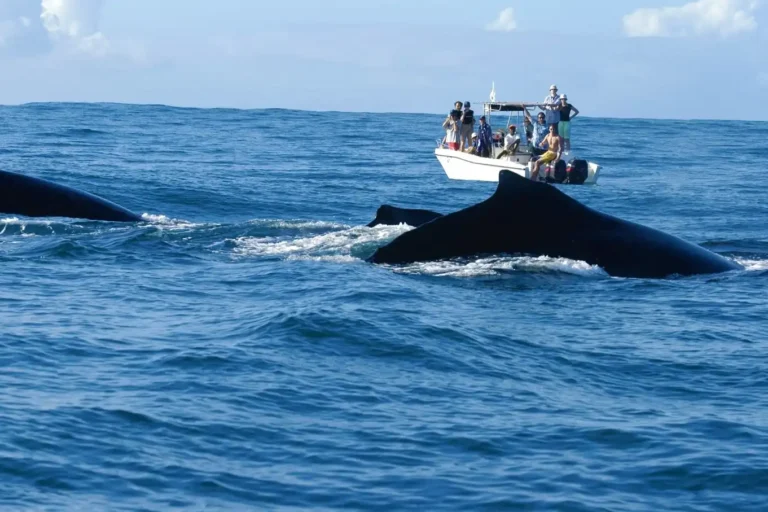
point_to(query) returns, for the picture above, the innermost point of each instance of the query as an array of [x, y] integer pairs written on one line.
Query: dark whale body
[[35, 197], [523, 217], [392, 216]]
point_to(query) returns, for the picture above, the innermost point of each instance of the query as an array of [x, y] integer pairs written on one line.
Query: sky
[[700, 59]]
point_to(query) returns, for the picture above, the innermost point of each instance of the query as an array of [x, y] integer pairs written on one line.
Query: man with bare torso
[[554, 145]]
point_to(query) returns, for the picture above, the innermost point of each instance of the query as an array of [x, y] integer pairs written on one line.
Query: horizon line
[[335, 111]]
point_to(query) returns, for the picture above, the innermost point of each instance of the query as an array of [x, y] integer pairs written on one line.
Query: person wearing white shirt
[[511, 142], [452, 131], [551, 106]]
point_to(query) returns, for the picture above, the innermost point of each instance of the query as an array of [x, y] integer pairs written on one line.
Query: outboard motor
[[579, 171], [546, 173], [561, 173]]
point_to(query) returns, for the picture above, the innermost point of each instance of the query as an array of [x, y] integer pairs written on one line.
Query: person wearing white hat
[[564, 127], [472, 148], [551, 106]]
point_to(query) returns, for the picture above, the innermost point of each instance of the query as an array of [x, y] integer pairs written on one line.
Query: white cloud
[[505, 22], [72, 18], [37, 25], [75, 22], [724, 17]]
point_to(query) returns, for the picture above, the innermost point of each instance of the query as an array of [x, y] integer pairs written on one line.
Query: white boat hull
[[463, 166]]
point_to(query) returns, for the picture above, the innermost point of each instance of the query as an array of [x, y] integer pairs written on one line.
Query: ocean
[[236, 352]]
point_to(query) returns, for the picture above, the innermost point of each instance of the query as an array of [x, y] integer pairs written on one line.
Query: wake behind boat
[[468, 165]]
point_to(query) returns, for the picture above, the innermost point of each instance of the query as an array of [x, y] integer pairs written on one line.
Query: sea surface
[[234, 351]]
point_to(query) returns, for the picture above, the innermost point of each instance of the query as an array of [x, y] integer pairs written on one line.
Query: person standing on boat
[[467, 126], [554, 151], [539, 133], [484, 139], [456, 112], [452, 130], [552, 106], [564, 127], [527, 131]]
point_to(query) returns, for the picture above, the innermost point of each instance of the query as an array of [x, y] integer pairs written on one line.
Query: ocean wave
[[74, 133], [11, 226], [15, 226]]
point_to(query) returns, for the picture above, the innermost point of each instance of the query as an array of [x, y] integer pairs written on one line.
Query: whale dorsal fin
[[523, 196], [512, 185]]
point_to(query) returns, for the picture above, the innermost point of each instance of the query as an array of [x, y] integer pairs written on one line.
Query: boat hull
[[464, 166]]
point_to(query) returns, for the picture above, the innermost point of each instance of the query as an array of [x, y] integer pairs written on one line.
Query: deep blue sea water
[[236, 352]]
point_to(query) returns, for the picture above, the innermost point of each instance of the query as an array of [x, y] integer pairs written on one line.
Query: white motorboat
[[466, 166]]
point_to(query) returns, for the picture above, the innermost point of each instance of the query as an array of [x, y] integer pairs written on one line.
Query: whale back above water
[[524, 217], [35, 197]]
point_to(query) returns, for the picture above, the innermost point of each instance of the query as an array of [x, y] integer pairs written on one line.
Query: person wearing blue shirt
[[484, 139], [540, 131]]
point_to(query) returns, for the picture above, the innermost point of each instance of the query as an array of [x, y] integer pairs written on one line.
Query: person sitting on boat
[[467, 125], [564, 128], [452, 131], [554, 144], [472, 148], [552, 106], [511, 142], [484, 139]]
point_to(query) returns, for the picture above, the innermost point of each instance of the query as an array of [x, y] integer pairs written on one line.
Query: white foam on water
[[26, 222], [338, 246], [566, 265], [495, 265], [752, 265], [297, 224], [333, 244], [163, 222], [6, 222], [23, 224], [326, 259]]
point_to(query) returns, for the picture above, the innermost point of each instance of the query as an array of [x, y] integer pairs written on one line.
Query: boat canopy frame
[[515, 108], [506, 106]]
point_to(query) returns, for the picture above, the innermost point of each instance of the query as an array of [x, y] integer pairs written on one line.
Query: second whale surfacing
[[523, 217], [35, 197]]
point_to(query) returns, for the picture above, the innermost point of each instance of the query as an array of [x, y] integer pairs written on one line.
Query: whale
[[525, 217], [389, 215], [36, 197]]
